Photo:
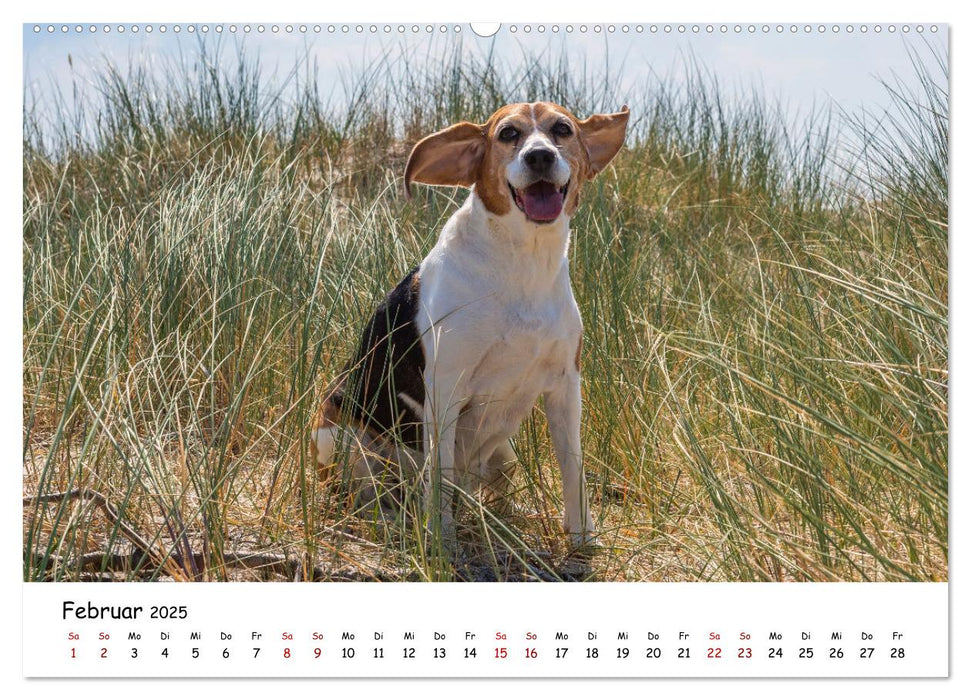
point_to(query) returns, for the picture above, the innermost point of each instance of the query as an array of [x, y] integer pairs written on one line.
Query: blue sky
[[800, 69]]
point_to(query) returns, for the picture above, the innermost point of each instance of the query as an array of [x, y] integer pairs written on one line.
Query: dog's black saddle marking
[[389, 362]]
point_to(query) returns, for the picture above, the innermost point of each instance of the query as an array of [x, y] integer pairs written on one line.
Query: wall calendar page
[[537, 350]]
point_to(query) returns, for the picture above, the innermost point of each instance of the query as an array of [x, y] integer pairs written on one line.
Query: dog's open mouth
[[541, 202]]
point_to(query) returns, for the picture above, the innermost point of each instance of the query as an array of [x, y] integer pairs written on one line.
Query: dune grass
[[765, 308]]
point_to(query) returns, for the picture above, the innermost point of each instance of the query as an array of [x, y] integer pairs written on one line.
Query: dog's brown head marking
[[516, 143]]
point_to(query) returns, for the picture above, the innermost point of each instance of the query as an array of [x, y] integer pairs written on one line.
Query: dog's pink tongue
[[542, 201]]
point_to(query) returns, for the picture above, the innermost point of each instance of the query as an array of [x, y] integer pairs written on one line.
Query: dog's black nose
[[539, 160]]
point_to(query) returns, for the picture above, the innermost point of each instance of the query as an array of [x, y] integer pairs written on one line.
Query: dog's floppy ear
[[603, 135], [451, 156]]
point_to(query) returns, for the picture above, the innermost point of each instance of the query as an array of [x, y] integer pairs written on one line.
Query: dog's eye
[[562, 129], [509, 133]]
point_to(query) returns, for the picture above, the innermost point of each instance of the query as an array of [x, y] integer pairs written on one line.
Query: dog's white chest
[[533, 348], [499, 324]]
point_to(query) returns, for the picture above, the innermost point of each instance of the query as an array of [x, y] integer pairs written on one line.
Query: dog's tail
[[323, 443]]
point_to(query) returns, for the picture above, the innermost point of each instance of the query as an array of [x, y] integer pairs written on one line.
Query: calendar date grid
[[347, 630]]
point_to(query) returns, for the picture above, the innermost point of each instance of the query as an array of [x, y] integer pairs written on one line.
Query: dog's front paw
[[584, 541], [443, 540]]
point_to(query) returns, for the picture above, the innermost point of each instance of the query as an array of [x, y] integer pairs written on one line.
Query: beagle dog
[[456, 356]]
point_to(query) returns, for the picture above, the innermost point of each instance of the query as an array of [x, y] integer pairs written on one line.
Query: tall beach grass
[[765, 309]]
